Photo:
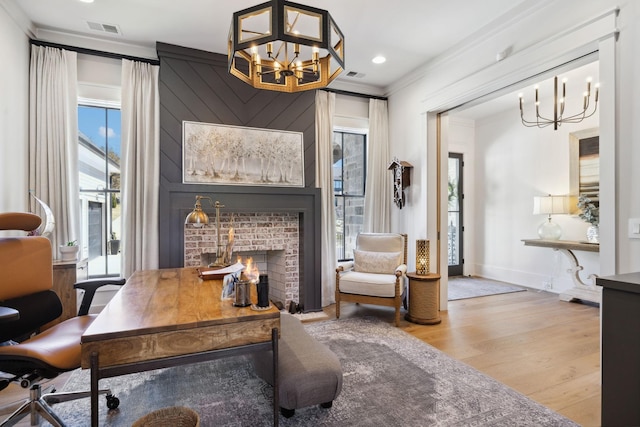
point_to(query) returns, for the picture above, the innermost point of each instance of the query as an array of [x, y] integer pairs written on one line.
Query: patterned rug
[[390, 379], [472, 287]]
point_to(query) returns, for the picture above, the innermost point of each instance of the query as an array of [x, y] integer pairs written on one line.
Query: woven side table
[[424, 299]]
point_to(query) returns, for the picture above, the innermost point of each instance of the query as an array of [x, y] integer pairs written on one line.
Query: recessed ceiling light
[[379, 59], [86, 1]]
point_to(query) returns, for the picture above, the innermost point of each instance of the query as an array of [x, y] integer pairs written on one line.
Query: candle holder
[[422, 257]]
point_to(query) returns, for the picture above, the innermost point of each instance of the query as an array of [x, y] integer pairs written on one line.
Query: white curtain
[[377, 198], [53, 138], [325, 106], [140, 166]]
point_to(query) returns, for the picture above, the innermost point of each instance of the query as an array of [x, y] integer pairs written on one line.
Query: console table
[[581, 290]]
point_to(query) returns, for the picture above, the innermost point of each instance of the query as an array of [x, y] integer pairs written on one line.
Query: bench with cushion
[[308, 372]]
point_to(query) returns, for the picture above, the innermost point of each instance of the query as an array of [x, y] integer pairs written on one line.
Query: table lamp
[[549, 205], [422, 257]]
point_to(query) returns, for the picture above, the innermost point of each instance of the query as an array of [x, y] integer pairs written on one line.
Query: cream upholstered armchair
[[377, 274]]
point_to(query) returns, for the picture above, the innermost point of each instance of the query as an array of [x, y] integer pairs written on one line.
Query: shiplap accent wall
[[195, 86]]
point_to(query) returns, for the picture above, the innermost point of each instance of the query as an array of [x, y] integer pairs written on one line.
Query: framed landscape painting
[[234, 155], [584, 164]]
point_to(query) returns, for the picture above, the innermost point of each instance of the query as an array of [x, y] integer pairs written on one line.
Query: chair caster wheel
[[112, 401]]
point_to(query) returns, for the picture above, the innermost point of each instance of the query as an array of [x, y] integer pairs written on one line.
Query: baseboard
[[524, 278]]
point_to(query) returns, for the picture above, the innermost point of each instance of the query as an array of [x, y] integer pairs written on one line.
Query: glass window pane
[[339, 205], [454, 165], [353, 164], [453, 239], [112, 131], [349, 171], [99, 177], [337, 163], [91, 124], [354, 218]]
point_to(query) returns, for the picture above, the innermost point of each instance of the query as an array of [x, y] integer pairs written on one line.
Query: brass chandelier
[[285, 46], [558, 107]]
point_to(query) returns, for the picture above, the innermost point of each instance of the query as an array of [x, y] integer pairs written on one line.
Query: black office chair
[[26, 280]]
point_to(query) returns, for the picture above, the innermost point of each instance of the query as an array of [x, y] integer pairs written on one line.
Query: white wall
[[14, 113], [99, 79], [351, 112], [545, 34]]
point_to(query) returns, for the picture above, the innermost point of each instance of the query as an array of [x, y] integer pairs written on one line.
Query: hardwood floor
[[546, 349]]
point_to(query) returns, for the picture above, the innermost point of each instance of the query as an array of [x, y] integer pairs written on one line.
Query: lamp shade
[[422, 257], [197, 217], [549, 205]]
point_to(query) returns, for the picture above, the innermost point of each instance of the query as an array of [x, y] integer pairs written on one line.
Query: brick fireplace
[[301, 206], [271, 239]]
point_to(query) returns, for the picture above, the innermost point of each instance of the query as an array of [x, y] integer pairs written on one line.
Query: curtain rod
[[360, 95], [95, 52]]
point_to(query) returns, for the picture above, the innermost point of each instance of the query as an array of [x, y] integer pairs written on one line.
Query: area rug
[[390, 379], [472, 287]]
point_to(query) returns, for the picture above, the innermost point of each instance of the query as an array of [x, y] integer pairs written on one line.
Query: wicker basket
[[175, 416]]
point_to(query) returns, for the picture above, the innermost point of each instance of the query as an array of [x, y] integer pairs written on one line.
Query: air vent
[[104, 28], [355, 74]]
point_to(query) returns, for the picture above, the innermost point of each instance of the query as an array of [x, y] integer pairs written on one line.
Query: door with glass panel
[[455, 228]]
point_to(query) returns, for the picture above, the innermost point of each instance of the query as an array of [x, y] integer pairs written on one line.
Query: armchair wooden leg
[[396, 304], [337, 308]]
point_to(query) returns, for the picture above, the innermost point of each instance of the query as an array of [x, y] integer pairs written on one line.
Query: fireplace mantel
[[177, 200]]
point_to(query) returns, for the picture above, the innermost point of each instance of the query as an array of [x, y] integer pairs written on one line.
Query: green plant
[[72, 243], [590, 212]]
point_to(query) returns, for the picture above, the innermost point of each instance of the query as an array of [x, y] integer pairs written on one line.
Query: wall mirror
[[584, 167]]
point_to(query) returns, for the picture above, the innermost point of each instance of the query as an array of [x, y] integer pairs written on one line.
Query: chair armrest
[[90, 287], [344, 266], [401, 270]]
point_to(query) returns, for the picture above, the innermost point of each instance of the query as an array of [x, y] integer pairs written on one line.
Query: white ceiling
[[408, 33]]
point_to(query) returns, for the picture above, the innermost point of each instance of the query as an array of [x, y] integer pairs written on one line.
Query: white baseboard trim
[[525, 278]]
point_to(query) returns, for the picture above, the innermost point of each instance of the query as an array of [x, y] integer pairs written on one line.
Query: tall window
[[99, 179], [349, 173]]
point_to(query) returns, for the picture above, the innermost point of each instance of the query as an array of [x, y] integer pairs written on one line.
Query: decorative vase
[[593, 234], [69, 253]]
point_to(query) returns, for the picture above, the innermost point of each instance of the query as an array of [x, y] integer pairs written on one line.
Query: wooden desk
[[581, 290], [163, 318]]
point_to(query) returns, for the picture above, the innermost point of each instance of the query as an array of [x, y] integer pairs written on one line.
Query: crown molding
[[19, 17], [95, 43], [471, 43]]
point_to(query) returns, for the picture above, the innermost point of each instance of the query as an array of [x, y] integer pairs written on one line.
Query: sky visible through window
[[96, 125]]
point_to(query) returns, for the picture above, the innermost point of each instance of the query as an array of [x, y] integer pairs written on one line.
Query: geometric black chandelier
[[285, 46], [558, 107]]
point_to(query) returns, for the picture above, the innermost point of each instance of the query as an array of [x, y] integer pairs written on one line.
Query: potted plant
[[590, 213], [114, 244], [69, 251]]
